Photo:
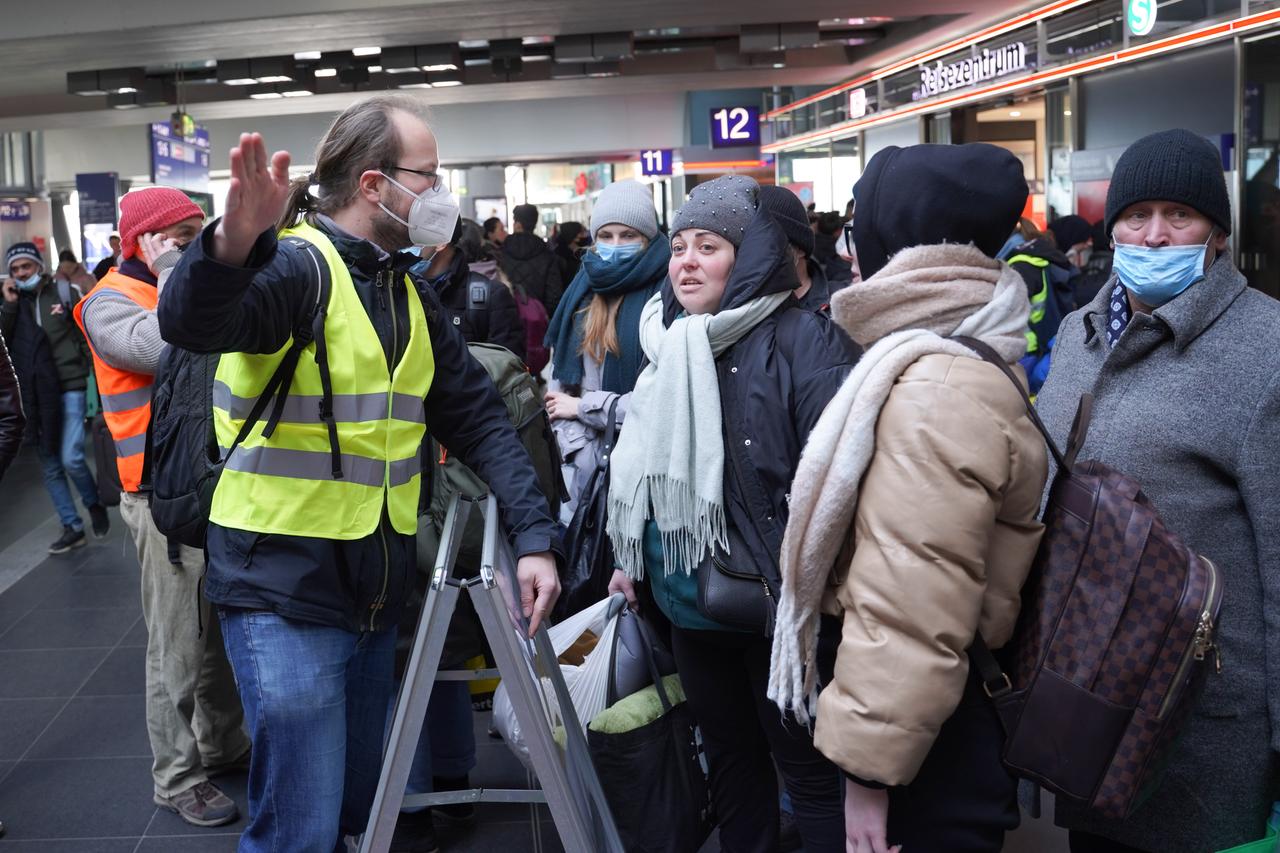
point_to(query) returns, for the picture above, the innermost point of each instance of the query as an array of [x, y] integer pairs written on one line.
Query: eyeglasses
[[437, 180]]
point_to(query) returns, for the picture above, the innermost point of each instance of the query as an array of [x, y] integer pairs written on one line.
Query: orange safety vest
[[126, 396]]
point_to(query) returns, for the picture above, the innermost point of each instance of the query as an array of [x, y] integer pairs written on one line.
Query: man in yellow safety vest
[[311, 534]]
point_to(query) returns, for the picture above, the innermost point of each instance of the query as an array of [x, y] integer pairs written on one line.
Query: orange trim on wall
[[726, 164], [1121, 57]]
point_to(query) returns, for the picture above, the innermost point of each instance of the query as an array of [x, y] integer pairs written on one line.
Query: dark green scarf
[[638, 278]]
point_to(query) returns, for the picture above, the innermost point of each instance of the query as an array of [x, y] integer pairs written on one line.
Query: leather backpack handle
[[1079, 431]]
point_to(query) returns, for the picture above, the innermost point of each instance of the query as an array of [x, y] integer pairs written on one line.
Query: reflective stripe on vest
[[125, 395], [312, 465], [131, 446], [125, 400], [305, 408], [285, 484], [1040, 300]]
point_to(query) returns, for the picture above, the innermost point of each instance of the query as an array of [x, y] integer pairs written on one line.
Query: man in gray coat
[[1177, 351]]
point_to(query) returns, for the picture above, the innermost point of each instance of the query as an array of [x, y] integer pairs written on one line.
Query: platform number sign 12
[[1141, 16], [735, 126], [655, 162]]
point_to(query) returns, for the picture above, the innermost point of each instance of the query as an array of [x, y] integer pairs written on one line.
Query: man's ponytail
[[300, 202]]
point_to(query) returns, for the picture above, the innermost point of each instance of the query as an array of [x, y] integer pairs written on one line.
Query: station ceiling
[[669, 45]]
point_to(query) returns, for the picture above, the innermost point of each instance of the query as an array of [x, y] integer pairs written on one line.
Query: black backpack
[[184, 461]]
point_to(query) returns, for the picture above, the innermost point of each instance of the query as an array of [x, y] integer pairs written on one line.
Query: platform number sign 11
[[655, 162], [1140, 16], [735, 126]]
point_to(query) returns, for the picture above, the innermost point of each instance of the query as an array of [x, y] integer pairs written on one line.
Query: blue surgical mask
[[1155, 276], [616, 254], [29, 283]]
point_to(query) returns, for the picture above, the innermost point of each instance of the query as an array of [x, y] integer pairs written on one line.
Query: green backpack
[[520, 391]]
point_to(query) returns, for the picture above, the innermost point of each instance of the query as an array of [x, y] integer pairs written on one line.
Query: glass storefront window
[[1259, 237], [1176, 15], [1059, 190], [822, 174], [846, 168], [901, 89], [15, 161], [1091, 29]]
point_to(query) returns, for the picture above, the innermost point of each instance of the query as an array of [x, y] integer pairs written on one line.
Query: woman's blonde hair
[[600, 329]]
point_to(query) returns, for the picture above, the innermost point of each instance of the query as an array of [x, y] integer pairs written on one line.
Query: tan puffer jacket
[[944, 536]]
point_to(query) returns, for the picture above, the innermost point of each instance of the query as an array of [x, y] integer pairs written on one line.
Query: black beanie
[[788, 211], [1070, 230], [1172, 165], [929, 194]]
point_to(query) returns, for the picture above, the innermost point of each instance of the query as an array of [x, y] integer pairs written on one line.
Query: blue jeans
[[315, 701], [70, 461], [447, 746]]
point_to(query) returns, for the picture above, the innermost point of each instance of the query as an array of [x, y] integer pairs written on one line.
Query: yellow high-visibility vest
[[285, 484]]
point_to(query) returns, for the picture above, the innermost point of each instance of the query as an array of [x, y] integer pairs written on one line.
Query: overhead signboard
[[15, 211], [656, 161], [98, 192], [179, 161], [988, 65], [735, 127], [1140, 16]]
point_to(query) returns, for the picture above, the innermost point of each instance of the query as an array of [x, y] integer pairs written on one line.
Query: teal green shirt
[[675, 593]]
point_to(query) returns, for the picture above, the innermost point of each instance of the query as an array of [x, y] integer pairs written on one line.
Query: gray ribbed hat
[[627, 203], [724, 206]]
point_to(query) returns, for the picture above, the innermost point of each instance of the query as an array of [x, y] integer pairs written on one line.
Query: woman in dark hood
[[738, 373]]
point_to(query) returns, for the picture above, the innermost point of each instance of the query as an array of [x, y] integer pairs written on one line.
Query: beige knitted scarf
[[901, 314]]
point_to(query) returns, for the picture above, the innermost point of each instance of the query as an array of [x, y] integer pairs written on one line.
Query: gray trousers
[[194, 718]]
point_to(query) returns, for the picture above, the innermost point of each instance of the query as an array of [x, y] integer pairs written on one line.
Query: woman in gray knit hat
[[738, 373], [594, 335]]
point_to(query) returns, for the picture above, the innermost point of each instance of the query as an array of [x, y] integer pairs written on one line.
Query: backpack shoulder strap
[[1079, 429], [309, 326], [64, 290]]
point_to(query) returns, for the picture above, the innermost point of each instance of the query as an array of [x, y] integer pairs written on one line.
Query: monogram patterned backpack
[[1114, 639]]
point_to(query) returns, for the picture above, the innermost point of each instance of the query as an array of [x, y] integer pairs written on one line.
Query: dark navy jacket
[[208, 306], [774, 384]]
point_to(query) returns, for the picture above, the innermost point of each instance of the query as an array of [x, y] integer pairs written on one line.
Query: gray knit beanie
[[627, 203], [724, 206]]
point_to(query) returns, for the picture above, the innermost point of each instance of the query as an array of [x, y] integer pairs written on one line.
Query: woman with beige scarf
[[913, 510]]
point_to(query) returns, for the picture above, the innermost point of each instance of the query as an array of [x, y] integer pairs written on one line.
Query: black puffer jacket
[[774, 384], [37, 372], [209, 306], [495, 319], [12, 421], [531, 266]]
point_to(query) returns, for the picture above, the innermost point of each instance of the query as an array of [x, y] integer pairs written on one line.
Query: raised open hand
[[256, 199]]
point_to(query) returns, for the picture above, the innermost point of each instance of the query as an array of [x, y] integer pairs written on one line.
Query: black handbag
[[733, 590], [654, 777], [588, 565]]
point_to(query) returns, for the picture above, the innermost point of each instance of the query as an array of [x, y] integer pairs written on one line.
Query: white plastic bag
[[588, 684]]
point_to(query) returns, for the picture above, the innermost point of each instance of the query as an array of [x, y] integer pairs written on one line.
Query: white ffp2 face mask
[[432, 216]]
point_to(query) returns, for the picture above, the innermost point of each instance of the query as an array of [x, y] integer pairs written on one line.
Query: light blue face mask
[[1155, 276], [29, 283], [616, 254]]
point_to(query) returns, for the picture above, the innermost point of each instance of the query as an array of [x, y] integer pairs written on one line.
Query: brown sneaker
[[203, 805]]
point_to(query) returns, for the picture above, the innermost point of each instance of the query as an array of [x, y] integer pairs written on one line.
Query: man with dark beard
[[311, 533]]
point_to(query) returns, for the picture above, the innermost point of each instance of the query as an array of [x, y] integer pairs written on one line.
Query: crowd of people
[[789, 399]]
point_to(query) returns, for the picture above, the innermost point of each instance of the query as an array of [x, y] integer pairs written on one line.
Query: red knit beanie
[[150, 210]]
